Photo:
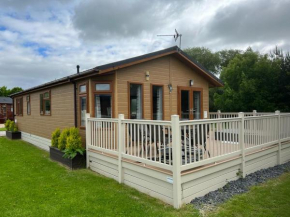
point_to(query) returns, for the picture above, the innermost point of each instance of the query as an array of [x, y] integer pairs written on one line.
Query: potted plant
[[66, 148], [12, 130]]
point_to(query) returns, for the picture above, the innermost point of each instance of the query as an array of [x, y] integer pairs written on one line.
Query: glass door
[[196, 105], [103, 106], [185, 105], [190, 103]]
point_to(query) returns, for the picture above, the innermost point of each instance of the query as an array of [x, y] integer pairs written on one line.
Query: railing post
[[120, 146], [242, 142], [88, 138], [218, 113], [279, 136], [254, 112], [176, 146]]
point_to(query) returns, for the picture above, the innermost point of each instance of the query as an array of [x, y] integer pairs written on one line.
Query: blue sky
[[44, 40]]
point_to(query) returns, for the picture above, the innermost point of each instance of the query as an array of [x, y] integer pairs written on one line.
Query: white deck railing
[[219, 114], [198, 142]]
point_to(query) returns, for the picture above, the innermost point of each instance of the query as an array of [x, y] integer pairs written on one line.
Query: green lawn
[[269, 199], [3, 129], [32, 185]]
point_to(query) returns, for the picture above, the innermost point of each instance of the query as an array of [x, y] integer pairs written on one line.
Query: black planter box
[[13, 135], [78, 162]]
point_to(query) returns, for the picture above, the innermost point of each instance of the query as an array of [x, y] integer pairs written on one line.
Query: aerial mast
[[175, 36]]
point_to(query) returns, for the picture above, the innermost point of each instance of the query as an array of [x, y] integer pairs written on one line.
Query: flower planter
[[13, 135], [78, 162]]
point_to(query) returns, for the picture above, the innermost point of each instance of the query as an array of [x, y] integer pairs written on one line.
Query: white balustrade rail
[[198, 142], [261, 130], [285, 127], [219, 114], [104, 134], [149, 142], [204, 140]]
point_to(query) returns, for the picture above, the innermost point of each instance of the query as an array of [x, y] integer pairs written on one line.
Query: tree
[[226, 56], [15, 90], [4, 91], [214, 62], [283, 94], [204, 56], [251, 82]]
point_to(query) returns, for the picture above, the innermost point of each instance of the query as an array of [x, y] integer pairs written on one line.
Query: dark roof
[[5, 100], [115, 65]]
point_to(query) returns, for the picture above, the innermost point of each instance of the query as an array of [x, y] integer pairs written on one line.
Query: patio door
[[103, 99], [190, 103]]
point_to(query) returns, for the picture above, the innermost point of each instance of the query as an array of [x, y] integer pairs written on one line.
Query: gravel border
[[239, 186]]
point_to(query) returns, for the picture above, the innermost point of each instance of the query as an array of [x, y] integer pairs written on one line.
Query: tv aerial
[[175, 36]]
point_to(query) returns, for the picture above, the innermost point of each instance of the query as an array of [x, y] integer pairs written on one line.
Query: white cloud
[[44, 40]]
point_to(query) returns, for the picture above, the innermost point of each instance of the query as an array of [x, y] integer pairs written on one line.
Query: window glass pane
[[28, 108], [83, 111], [46, 95], [196, 105], [103, 87], [136, 101], [157, 103], [184, 104], [41, 104], [47, 106], [83, 88], [103, 106]]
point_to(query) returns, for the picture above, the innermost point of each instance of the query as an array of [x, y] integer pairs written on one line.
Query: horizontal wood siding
[[62, 112], [181, 74], [164, 70]]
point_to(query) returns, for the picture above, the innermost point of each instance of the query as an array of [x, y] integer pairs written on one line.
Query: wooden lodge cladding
[[162, 71], [62, 112], [162, 68]]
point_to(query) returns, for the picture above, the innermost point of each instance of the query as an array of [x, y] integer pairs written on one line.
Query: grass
[[269, 199], [32, 185], [3, 129]]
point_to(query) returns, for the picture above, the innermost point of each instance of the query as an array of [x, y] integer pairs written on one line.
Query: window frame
[[100, 92], [28, 101], [19, 107], [43, 104], [129, 101], [151, 95], [80, 95]]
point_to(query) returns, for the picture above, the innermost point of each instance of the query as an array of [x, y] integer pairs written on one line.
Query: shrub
[[74, 144], [11, 126], [15, 128], [62, 141], [7, 124], [55, 136]]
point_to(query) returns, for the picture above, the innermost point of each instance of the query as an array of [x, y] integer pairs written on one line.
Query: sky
[[44, 40]]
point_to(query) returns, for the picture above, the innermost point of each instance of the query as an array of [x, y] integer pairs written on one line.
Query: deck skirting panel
[[38, 141], [213, 177]]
